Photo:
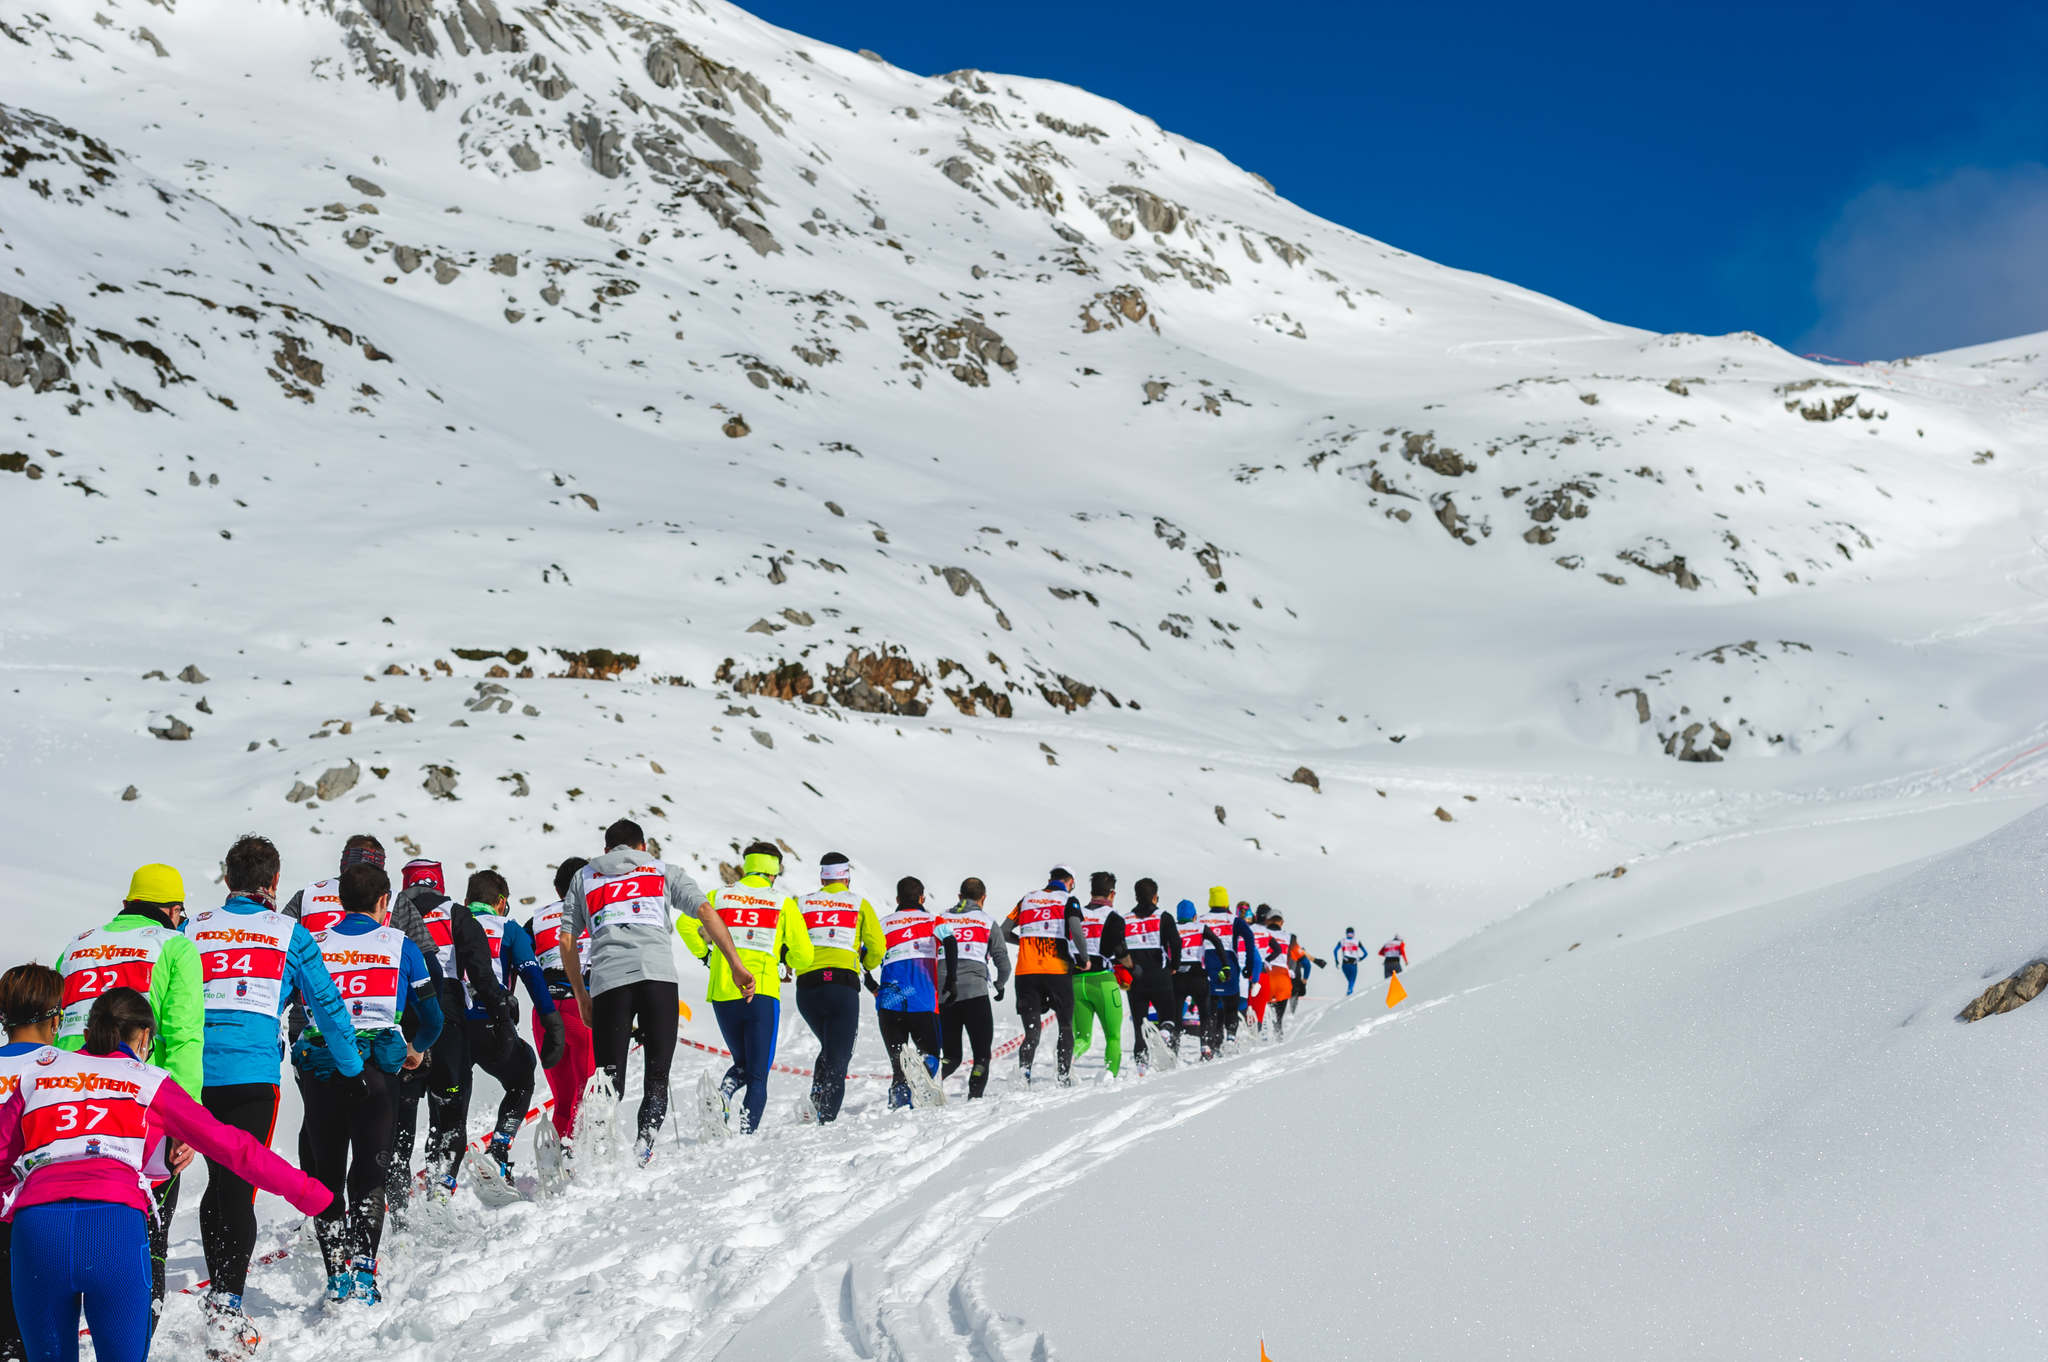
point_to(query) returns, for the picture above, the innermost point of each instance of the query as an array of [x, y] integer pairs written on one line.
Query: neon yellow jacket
[[791, 940], [176, 998], [868, 944]]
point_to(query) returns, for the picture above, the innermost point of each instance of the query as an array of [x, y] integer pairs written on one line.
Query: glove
[[554, 1042], [946, 995], [351, 1087], [999, 992], [868, 981], [1123, 977]]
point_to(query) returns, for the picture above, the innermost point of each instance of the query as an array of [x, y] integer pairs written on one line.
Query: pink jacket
[[183, 1119]]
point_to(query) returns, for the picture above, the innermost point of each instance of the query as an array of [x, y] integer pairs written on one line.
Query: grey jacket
[[970, 977], [630, 952]]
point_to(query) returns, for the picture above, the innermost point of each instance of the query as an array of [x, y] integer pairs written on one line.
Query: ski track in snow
[[865, 1231]]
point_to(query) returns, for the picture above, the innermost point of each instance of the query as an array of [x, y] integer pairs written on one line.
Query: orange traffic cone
[[1395, 993]]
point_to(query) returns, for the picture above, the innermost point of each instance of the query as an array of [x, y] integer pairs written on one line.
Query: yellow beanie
[[1219, 897], [156, 884]]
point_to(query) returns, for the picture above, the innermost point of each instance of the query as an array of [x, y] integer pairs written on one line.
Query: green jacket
[[177, 998], [790, 941]]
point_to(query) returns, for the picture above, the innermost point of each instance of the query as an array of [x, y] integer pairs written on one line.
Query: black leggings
[[350, 1137], [407, 1089], [1279, 1011], [829, 1001], [613, 1012], [227, 1212], [1390, 965], [1150, 987], [1037, 994], [977, 1019], [900, 1030], [11, 1347], [502, 1055], [1222, 1017], [1191, 985]]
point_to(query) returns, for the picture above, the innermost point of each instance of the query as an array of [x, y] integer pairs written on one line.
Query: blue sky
[[1869, 180]]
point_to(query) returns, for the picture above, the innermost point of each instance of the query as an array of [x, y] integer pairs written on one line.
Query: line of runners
[[386, 998]]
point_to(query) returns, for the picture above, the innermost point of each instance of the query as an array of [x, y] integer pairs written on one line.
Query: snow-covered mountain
[[763, 388], [473, 422]]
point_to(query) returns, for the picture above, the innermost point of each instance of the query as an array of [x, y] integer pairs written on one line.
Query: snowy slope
[[973, 474], [487, 404]]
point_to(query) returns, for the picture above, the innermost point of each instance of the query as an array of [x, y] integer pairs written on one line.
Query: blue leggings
[[749, 1031], [94, 1253]]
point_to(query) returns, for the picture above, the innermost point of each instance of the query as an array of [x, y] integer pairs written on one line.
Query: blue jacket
[[909, 985], [515, 956], [1224, 969], [245, 1047], [385, 1049]]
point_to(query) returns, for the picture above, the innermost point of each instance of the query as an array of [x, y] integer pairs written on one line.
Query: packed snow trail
[[849, 1240]]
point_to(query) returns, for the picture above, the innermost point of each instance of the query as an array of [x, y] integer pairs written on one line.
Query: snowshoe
[[711, 1109], [230, 1335], [550, 1159], [492, 1180], [341, 1286], [1161, 1055], [595, 1134], [806, 1110], [924, 1088], [366, 1282]]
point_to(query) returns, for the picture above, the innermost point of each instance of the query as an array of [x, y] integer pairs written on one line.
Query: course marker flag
[[1262, 1352], [1395, 993]]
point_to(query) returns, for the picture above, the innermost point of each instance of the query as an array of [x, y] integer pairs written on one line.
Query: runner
[[383, 975], [1098, 989], [567, 1079], [767, 932], [422, 890], [143, 949], [1394, 956], [627, 901], [907, 1003], [1348, 953], [1046, 928], [318, 905], [968, 937], [492, 1036], [1279, 972], [80, 1235], [253, 962], [1191, 979], [1262, 937], [482, 1029], [31, 1000], [1236, 955], [1304, 963], [846, 940], [1149, 935]]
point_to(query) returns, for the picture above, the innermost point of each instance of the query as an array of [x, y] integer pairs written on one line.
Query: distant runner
[[1394, 957], [968, 942], [627, 901], [846, 942], [1047, 929], [1348, 953], [764, 928]]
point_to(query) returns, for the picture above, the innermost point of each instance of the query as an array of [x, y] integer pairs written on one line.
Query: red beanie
[[423, 872]]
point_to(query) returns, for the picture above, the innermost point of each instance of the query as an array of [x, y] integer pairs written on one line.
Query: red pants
[[1257, 1002], [567, 1079]]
